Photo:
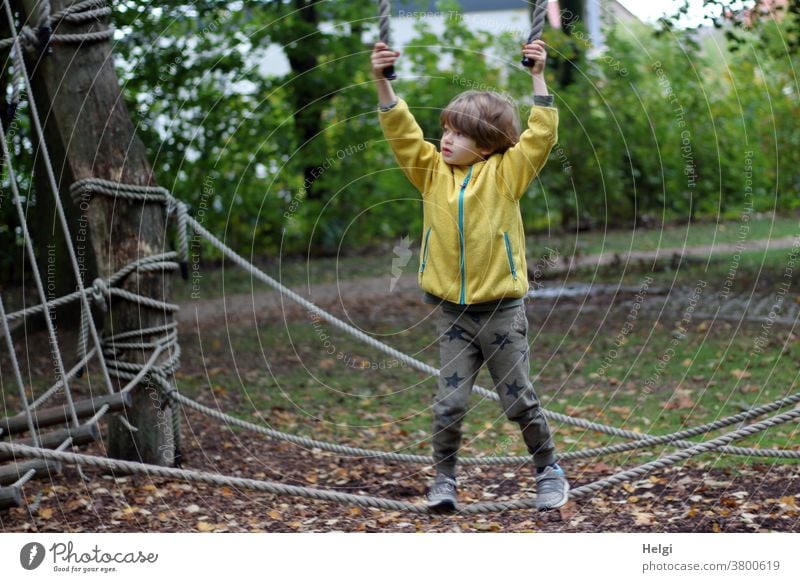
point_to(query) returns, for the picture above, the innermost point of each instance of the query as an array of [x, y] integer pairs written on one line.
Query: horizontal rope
[[378, 502], [81, 12], [491, 460], [423, 367], [131, 192]]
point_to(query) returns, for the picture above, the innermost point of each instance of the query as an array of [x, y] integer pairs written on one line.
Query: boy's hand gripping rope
[[537, 26]]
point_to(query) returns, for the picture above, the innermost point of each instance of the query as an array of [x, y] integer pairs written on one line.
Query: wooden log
[[90, 131], [88, 433], [61, 414], [12, 472], [10, 497]]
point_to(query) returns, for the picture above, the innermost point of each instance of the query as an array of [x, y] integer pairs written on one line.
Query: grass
[[758, 227]]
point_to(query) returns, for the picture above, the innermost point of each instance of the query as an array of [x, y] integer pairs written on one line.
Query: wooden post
[[76, 87]]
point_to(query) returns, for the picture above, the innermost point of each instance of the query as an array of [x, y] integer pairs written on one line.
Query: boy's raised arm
[[537, 52], [525, 160], [416, 156], [382, 58]]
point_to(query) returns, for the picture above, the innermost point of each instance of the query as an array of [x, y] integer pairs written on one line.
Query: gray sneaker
[[551, 489], [442, 495]]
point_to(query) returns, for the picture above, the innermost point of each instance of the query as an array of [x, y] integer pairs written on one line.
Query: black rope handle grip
[[384, 11]]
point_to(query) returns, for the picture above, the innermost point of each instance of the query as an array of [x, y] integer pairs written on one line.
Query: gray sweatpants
[[500, 339]]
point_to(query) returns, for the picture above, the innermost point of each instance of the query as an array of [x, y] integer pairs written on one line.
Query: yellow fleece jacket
[[473, 244]]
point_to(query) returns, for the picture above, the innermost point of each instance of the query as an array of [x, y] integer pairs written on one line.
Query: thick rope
[[194, 476], [101, 292], [385, 33], [629, 474], [42, 35], [70, 375], [537, 20], [421, 366], [80, 11], [84, 189], [494, 460], [384, 24], [382, 503], [51, 332], [137, 371], [154, 194], [100, 287], [37, 124], [651, 441], [18, 376]]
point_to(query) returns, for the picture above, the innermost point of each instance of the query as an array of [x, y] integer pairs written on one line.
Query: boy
[[472, 260]]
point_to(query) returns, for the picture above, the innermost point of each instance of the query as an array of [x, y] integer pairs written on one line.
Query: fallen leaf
[[641, 518], [740, 374], [45, 512]]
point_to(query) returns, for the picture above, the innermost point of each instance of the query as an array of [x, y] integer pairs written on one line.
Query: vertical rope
[[384, 12], [83, 336], [16, 92], [385, 33], [18, 376], [183, 239], [537, 20], [43, 13], [19, 61], [51, 332], [537, 27]]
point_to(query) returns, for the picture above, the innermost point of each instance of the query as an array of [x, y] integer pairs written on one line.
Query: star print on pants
[[514, 390], [475, 317], [455, 332], [453, 380], [501, 339], [524, 354]]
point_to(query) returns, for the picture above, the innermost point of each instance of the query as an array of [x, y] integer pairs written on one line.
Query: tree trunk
[[573, 13], [306, 91], [90, 134]]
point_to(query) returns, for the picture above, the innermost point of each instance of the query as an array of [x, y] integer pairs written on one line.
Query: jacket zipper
[[510, 256], [461, 236], [425, 251]]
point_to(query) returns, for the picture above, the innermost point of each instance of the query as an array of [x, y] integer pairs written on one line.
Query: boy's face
[[458, 149]]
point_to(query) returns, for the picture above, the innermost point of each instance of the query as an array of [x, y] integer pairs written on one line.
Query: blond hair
[[491, 119]]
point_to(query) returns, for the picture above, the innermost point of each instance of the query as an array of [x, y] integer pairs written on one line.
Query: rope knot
[[172, 204], [100, 292], [179, 208]]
